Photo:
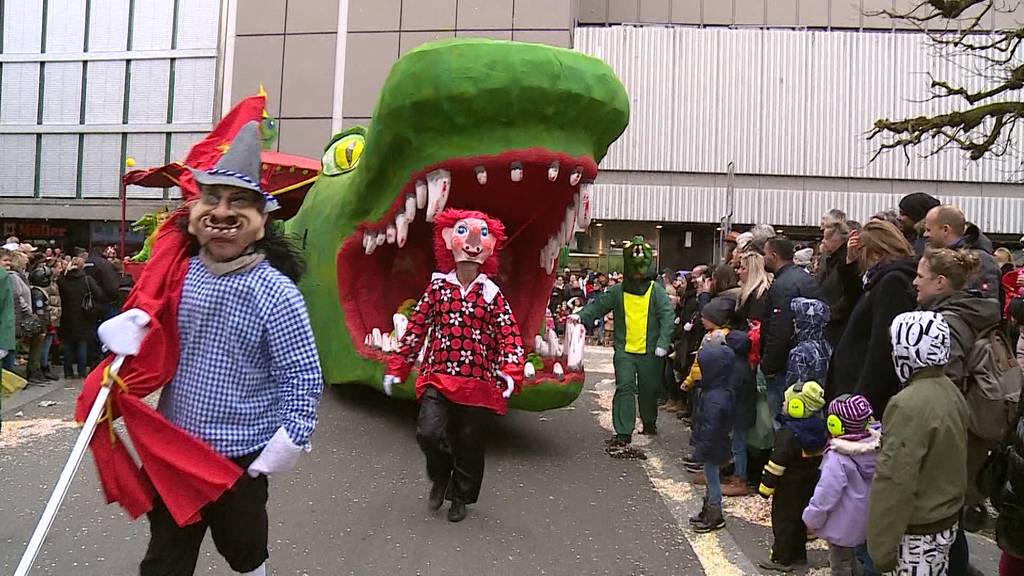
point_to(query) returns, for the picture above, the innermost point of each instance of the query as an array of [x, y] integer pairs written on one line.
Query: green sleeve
[[666, 317], [603, 304], [7, 339], [896, 478]]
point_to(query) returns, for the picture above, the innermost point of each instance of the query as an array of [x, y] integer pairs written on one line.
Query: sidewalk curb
[[31, 394]]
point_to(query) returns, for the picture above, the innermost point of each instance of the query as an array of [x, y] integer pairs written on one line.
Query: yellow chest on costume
[[637, 308]]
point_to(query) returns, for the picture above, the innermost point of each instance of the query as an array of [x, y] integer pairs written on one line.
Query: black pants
[[791, 497], [237, 522], [450, 436]]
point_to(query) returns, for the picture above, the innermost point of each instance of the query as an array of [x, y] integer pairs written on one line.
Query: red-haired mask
[[470, 240]]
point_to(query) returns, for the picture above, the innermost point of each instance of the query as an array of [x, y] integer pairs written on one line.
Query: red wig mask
[[467, 236]]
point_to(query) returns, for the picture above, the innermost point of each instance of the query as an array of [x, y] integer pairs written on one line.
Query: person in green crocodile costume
[[644, 321], [511, 129]]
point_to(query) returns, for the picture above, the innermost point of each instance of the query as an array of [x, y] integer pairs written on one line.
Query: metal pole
[[124, 210], [66, 475]]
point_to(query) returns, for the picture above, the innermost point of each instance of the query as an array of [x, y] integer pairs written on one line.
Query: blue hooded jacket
[[809, 358], [713, 419]]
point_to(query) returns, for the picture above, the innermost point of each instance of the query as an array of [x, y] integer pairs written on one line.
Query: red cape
[[182, 470]]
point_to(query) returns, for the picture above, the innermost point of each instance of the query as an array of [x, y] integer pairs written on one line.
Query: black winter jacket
[[75, 323], [840, 289], [743, 381], [1010, 498], [713, 419], [777, 322], [986, 282], [862, 362]]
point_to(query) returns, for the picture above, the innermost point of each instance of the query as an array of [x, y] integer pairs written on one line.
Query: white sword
[[66, 475]]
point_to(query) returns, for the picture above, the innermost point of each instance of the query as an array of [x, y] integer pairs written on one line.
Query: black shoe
[[457, 511], [618, 440], [436, 498], [712, 520], [36, 377], [699, 517], [774, 566], [649, 430], [49, 375]]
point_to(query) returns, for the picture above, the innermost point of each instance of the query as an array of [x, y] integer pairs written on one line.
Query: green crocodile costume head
[[514, 130], [637, 256]]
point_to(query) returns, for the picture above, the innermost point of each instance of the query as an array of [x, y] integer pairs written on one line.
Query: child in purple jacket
[[838, 511]]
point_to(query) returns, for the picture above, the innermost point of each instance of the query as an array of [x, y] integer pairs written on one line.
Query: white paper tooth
[[369, 242], [538, 343], [390, 234], [575, 337], [377, 338], [382, 238], [516, 171], [553, 171], [552, 339], [401, 325], [529, 372], [583, 205], [385, 342], [438, 186], [481, 175], [558, 372], [368, 341], [575, 177], [410, 207], [401, 229], [421, 194]]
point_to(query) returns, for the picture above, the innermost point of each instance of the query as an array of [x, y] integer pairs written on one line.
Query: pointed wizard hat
[[239, 166]]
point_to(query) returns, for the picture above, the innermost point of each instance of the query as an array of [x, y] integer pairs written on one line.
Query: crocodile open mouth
[[538, 195]]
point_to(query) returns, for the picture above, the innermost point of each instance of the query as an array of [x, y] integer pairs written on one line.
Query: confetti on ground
[[752, 509], [18, 432], [48, 403]]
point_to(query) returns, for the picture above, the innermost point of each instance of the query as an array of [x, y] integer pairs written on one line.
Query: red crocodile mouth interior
[[372, 287]]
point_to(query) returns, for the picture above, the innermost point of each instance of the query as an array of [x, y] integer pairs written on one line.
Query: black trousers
[[450, 436], [791, 497], [237, 522]]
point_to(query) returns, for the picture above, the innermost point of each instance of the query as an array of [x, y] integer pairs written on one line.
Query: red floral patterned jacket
[[473, 336]]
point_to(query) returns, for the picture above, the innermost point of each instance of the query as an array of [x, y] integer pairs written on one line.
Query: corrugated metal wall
[[999, 215], [775, 102]]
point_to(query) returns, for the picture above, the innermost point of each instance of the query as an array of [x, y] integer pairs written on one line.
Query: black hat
[[719, 311], [916, 206]]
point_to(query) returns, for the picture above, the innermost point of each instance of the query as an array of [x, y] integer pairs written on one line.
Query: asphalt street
[[552, 502]]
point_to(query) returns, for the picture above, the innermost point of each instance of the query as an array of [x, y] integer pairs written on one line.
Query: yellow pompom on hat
[[803, 399]]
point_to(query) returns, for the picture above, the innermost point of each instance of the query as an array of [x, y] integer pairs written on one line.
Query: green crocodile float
[[511, 129]]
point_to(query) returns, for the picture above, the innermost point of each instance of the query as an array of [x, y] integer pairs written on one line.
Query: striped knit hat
[[853, 411]]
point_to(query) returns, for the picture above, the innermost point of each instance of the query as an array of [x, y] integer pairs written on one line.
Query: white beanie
[[803, 257], [919, 340]]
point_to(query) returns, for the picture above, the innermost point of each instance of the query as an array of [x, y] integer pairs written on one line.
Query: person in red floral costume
[[473, 356]]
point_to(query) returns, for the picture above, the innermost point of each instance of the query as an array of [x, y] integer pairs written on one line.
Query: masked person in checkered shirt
[[248, 380]]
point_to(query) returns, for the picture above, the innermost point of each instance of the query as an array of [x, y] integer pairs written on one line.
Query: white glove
[[389, 382], [510, 385], [279, 455], [3, 354], [575, 340], [660, 352], [123, 334], [688, 326]]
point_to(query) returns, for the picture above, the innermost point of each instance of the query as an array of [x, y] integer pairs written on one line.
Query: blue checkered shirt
[[248, 362]]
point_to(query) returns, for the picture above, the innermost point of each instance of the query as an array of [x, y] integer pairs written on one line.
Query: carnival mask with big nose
[[226, 220], [469, 240]]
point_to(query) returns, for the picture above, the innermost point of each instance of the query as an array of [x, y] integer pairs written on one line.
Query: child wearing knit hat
[[792, 472], [838, 511]]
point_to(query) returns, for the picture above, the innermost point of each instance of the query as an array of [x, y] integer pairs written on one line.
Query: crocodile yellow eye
[[343, 154]]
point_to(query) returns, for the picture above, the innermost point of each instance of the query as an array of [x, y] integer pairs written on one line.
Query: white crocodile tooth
[[481, 175], [410, 207], [401, 325], [370, 244], [557, 370], [576, 175], [516, 171], [382, 238], [368, 341], [377, 338], [538, 343], [575, 338], [367, 237], [584, 205], [553, 171], [529, 372], [570, 223], [421, 194], [390, 234], [438, 186], [401, 229], [552, 339], [385, 342]]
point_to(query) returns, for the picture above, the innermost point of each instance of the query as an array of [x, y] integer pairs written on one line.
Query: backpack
[[993, 385]]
